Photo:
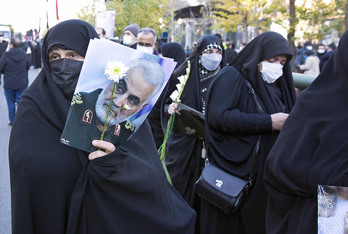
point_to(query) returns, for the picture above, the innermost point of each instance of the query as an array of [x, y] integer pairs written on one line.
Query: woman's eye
[[54, 57]]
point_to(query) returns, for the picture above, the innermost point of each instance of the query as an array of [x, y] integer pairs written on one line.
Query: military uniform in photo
[[82, 129]]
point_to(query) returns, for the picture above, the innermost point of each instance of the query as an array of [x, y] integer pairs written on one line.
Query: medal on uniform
[[117, 130], [87, 116]]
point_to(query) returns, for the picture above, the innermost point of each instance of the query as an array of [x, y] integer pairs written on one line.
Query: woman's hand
[[105, 148], [278, 120], [173, 108]]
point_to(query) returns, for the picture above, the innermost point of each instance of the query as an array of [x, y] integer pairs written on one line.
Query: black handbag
[[224, 190]]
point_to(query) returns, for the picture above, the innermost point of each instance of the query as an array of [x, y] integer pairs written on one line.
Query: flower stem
[[162, 149], [107, 112]]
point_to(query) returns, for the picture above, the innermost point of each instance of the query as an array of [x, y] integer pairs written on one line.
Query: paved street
[[5, 129]]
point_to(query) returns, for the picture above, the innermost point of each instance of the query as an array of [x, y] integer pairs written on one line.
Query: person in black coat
[[183, 156], [170, 50], [330, 49], [234, 125], [14, 64], [310, 151], [3, 45], [37, 49], [59, 189]]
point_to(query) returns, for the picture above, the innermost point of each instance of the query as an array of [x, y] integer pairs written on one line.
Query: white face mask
[[321, 51], [211, 61], [270, 72], [309, 47], [145, 49], [127, 40], [1, 39]]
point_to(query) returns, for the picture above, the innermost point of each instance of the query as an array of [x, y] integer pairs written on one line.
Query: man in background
[[14, 64], [130, 34], [3, 44], [146, 41], [101, 32]]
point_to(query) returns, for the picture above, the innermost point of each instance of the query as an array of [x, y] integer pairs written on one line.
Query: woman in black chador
[[311, 150], [234, 124], [170, 50], [184, 153], [58, 189]]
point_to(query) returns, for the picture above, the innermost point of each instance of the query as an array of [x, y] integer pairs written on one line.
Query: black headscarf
[[190, 95], [175, 51], [265, 46], [311, 150], [60, 35]]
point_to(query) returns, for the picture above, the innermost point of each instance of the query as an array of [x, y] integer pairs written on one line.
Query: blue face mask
[[65, 73], [211, 61]]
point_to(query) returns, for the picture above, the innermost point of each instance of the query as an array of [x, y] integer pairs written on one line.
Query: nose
[[120, 100]]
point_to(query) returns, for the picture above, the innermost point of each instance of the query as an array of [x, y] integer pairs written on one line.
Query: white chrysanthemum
[[115, 70], [174, 95]]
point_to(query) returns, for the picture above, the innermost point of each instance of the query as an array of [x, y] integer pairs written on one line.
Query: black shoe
[[10, 124]]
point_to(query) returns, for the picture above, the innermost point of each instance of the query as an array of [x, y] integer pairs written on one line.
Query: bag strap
[[256, 148], [254, 97]]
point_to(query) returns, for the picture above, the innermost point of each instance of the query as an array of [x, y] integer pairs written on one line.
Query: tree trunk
[[346, 16], [291, 32]]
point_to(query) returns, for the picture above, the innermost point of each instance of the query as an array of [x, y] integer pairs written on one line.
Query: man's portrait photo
[[118, 108]]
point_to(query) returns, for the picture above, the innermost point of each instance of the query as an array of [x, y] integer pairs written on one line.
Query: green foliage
[[145, 13], [149, 13], [315, 17], [231, 14], [258, 13], [87, 13]]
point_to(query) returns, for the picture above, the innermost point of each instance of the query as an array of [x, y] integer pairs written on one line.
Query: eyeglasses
[[144, 44]]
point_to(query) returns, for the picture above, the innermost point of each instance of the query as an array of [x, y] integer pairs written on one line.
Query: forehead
[[56, 49], [279, 57], [135, 78], [137, 84], [149, 37], [127, 32]]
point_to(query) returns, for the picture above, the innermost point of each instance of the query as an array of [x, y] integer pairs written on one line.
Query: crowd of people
[[308, 61], [300, 139]]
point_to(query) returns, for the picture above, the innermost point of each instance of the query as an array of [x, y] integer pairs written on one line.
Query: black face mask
[[65, 73]]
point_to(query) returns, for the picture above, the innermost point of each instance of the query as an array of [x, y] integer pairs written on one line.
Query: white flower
[[174, 95], [115, 70], [179, 87], [188, 67], [182, 79]]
